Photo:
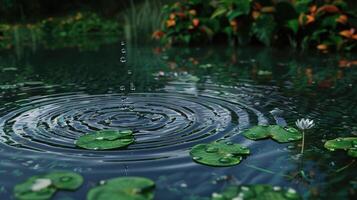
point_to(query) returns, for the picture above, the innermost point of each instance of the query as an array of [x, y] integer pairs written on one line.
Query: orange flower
[[170, 23], [306, 19], [172, 16], [322, 47], [347, 33], [158, 34], [255, 14], [328, 8], [181, 14], [313, 9], [342, 19], [233, 23], [192, 12], [310, 19], [268, 9], [195, 22], [350, 34]]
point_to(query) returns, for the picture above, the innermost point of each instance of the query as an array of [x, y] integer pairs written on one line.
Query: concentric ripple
[[165, 124]]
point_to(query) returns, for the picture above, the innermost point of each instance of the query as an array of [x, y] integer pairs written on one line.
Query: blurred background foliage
[[322, 24], [326, 25]]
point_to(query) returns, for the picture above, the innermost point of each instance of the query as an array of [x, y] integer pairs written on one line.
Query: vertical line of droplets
[[129, 85]]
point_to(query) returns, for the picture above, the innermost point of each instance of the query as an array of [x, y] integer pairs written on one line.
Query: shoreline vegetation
[[322, 25]]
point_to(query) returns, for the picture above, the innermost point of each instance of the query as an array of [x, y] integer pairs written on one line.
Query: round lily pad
[[65, 180], [124, 188], [219, 154], [256, 192], [107, 139], [25, 190], [348, 143], [277, 133]]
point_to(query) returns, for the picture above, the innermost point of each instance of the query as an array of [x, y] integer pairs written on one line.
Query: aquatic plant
[[124, 188], [277, 133], [42, 187], [140, 21], [250, 192], [348, 144], [106, 139], [303, 125], [219, 154]]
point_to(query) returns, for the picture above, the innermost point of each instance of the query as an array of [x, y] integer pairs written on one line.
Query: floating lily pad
[[124, 188], [219, 154], [256, 192], [65, 180], [277, 133], [106, 139], [44, 186], [26, 191], [348, 144]]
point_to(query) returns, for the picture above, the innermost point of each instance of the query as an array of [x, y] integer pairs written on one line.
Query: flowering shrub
[[320, 24]]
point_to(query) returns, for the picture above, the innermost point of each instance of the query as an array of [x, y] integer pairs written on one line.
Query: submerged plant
[[124, 188], [256, 192], [303, 125]]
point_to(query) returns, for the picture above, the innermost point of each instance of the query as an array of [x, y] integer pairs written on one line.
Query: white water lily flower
[[304, 124], [40, 184]]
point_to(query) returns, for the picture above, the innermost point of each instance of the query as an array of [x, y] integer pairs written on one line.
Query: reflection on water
[[173, 99]]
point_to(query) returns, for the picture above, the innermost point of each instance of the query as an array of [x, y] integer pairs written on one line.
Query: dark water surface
[[174, 99]]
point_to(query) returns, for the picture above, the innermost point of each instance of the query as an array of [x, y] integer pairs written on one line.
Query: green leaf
[[242, 7], [218, 154], [302, 6], [348, 144], [293, 25], [219, 11], [65, 180], [107, 139], [23, 191], [275, 132], [257, 192], [124, 188], [264, 28]]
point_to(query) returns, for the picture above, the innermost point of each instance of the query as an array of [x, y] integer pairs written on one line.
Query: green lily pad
[[42, 187], [256, 192], [277, 133], [124, 188], [219, 154], [348, 144], [24, 191], [107, 139], [65, 180]]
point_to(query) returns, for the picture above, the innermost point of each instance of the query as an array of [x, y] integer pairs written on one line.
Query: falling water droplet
[[122, 59], [123, 51], [122, 88], [130, 72], [122, 43], [132, 87]]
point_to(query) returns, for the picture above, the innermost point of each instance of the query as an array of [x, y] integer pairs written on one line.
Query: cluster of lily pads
[[216, 154], [44, 186]]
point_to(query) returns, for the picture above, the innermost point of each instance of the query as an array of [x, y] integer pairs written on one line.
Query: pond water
[[174, 99]]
